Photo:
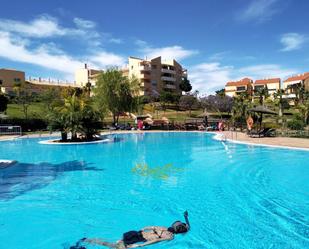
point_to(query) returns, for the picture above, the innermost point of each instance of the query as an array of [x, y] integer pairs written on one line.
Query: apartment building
[[292, 83], [234, 88], [156, 75], [10, 77], [85, 75], [272, 85]]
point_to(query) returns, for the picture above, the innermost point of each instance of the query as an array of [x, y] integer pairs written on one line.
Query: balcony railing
[[168, 86], [163, 70], [168, 78]]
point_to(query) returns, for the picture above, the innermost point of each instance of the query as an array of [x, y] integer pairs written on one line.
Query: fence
[[10, 130]]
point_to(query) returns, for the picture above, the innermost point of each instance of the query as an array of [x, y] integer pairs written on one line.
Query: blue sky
[[216, 41]]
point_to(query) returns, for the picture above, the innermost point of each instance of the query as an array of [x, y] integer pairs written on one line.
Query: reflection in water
[[159, 172], [24, 177]]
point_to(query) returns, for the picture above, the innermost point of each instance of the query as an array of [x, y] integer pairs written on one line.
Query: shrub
[[296, 123]]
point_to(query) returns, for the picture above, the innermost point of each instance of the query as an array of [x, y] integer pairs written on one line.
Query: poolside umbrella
[[262, 110]]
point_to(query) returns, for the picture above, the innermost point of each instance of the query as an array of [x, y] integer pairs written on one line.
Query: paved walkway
[[274, 141]]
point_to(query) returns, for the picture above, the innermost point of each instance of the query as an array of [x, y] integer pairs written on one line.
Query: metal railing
[[10, 130]]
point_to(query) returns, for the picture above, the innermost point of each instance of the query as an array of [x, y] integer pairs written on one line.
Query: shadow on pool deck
[[24, 177]]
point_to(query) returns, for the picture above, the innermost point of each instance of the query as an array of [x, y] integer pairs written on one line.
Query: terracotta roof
[[242, 82], [267, 81], [298, 77]]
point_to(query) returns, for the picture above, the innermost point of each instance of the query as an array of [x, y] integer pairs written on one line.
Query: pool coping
[[55, 142], [217, 136]]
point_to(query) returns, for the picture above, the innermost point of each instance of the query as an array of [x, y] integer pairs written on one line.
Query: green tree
[[166, 98], [221, 93], [3, 103], [75, 114], [50, 97], [116, 92], [185, 85], [87, 88], [23, 96], [304, 107], [280, 102], [241, 104], [263, 94], [188, 102]]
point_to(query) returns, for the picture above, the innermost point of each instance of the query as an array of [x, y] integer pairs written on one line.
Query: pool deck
[[231, 136], [270, 141]]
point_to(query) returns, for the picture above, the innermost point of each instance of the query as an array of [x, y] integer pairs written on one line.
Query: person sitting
[[146, 236]]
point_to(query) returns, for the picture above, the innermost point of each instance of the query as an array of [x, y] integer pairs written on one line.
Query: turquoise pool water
[[238, 196]]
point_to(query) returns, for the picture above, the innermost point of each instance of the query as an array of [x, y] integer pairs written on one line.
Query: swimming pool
[[238, 196]]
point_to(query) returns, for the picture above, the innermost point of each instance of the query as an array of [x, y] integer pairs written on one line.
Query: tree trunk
[[64, 136], [114, 118], [74, 136]]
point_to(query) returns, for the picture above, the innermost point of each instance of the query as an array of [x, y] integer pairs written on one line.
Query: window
[[17, 79], [256, 88], [153, 66], [131, 67], [154, 82], [241, 88], [1, 82]]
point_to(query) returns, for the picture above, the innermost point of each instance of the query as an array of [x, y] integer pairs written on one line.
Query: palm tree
[[279, 96], [263, 94], [241, 105], [75, 114]]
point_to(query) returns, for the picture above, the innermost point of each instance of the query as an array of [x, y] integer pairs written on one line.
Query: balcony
[[145, 68], [168, 86], [168, 78], [163, 70]]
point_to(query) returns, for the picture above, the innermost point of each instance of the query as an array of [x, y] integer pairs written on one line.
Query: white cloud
[[23, 42], [43, 26], [104, 59], [209, 77], [259, 10], [17, 51], [266, 71], [292, 41], [170, 52], [49, 56], [83, 23], [115, 40]]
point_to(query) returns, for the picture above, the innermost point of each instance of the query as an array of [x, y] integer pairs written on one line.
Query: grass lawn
[[35, 110]]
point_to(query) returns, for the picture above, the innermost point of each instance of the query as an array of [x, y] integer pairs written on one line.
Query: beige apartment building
[[234, 88], [156, 75], [290, 84], [272, 85], [10, 77], [85, 75]]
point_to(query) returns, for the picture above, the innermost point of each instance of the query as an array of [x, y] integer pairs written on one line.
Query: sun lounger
[[267, 132]]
